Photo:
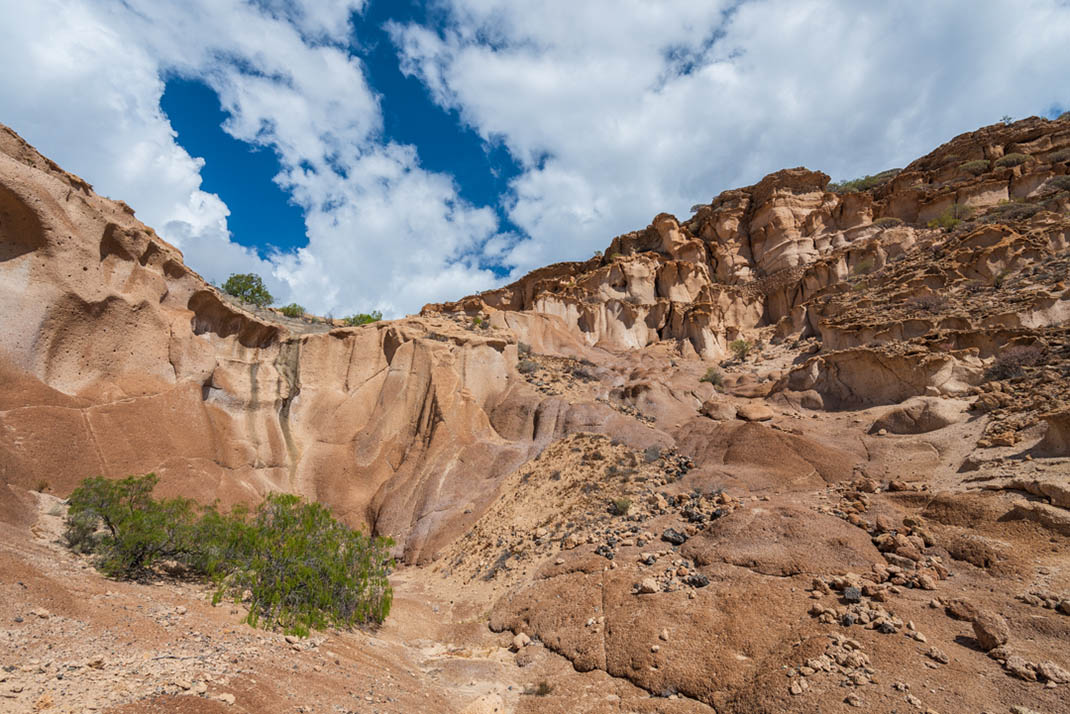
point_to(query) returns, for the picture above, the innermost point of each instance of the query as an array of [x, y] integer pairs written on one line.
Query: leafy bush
[[363, 318], [303, 568], [621, 506], [523, 348], [1012, 160], [864, 183], [1010, 362], [1060, 156], [292, 310], [248, 287], [651, 454], [306, 570], [888, 222], [976, 167], [740, 348], [526, 366], [713, 376]]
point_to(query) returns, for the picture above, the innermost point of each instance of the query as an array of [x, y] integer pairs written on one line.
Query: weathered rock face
[[861, 271], [117, 359]]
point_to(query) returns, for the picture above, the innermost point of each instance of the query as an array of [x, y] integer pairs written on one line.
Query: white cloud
[[383, 233], [619, 110], [615, 109]]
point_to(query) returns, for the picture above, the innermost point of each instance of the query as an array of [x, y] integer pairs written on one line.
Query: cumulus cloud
[[615, 110], [619, 109], [383, 233]]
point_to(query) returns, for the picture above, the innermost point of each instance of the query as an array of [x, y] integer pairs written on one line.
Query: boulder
[[717, 410], [990, 630], [754, 412], [920, 415]]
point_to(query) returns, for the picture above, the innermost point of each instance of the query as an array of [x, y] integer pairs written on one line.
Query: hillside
[[805, 450]]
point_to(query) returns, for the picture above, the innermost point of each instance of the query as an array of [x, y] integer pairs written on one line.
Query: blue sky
[[262, 215], [365, 154]]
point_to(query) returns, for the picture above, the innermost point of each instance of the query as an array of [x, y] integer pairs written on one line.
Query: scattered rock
[[648, 585], [671, 535], [1018, 667], [1053, 673], [754, 412], [990, 630]]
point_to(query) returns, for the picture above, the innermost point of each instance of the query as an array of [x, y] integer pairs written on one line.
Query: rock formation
[[807, 449]]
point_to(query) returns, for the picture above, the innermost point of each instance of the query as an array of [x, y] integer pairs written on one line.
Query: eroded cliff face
[[789, 259], [568, 463], [116, 359]]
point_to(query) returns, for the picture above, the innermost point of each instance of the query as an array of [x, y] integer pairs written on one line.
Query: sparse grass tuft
[[1012, 361], [927, 303], [862, 267], [541, 689], [1010, 160], [713, 376], [621, 506], [976, 167], [740, 348], [526, 366], [864, 183]]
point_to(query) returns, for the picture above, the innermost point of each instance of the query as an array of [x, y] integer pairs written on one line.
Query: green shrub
[[1011, 211], [976, 167], [888, 222], [363, 318], [945, 221], [306, 570], [621, 506], [292, 310], [740, 348], [713, 376], [248, 287], [951, 217], [526, 366], [1012, 160], [303, 568], [1059, 183], [1059, 156], [864, 183], [138, 530], [523, 348]]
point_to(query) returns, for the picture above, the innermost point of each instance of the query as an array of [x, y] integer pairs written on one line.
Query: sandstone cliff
[[888, 465]]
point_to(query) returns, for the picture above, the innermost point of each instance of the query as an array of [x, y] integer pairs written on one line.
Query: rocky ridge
[[598, 508]]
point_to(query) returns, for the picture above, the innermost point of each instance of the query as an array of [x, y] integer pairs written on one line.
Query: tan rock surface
[[658, 560]]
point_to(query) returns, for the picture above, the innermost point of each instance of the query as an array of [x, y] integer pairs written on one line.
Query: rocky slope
[[870, 511]]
